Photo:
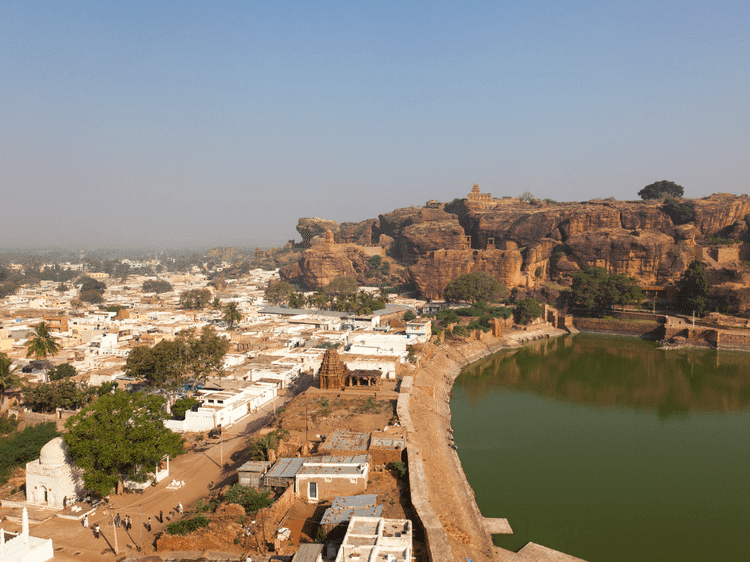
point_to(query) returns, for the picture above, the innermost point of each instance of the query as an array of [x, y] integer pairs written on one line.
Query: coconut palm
[[8, 378], [42, 344], [232, 315]]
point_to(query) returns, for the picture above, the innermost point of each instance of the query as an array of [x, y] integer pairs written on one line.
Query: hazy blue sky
[[184, 123]]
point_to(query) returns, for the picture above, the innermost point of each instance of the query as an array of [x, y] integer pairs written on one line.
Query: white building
[[378, 344], [53, 476], [377, 538], [23, 547], [224, 407], [418, 331]]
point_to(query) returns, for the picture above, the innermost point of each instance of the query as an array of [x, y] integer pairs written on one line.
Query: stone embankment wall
[[442, 367], [642, 329]]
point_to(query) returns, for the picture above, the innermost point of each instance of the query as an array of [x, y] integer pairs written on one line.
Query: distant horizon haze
[[195, 124]]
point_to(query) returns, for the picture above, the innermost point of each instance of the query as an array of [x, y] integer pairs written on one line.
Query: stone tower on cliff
[[477, 196]]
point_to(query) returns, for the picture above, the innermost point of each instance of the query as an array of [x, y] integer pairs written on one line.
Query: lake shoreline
[[441, 494]]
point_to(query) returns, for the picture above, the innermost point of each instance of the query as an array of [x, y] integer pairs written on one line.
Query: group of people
[[127, 521]]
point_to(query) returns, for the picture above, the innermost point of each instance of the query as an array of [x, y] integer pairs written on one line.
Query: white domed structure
[[54, 453], [53, 479]]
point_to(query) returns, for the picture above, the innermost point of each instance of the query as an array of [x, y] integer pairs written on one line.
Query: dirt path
[[201, 470]]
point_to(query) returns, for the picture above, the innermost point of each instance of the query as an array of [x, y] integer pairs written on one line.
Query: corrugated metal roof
[[345, 507], [254, 466], [286, 467], [388, 442], [308, 552], [344, 440]]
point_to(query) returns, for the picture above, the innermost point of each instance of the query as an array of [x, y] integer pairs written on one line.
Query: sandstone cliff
[[524, 243]]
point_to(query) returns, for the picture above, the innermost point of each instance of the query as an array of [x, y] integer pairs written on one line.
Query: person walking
[[86, 521], [148, 525], [179, 507], [96, 531], [161, 516], [117, 520]]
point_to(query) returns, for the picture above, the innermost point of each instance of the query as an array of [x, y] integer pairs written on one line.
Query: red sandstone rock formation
[[526, 242]]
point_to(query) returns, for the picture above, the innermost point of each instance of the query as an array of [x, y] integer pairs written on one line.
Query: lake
[[610, 449]]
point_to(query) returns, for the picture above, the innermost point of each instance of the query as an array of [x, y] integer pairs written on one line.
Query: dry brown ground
[[324, 413]]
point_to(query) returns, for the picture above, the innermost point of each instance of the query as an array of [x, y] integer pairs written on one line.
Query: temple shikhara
[[335, 375]]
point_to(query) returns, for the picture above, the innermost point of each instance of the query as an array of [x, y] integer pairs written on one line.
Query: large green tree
[[65, 393], [694, 289], [681, 212], [660, 190], [526, 310], [594, 288], [278, 292], [232, 315], [473, 287], [195, 298], [62, 371], [120, 436], [41, 343], [156, 286], [185, 361], [341, 286]]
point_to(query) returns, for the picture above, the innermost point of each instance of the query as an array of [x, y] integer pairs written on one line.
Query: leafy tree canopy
[[526, 196], [24, 446], [92, 296], [89, 284], [278, 292], [183, 405], [185, 361], [62, 393], [660, 190], [62, 371], [341, 286], [681, 212], [195, 298], [694, 290], [474, 287], [120, 435], [156, 286], [527, 310], [594, 288], [249, 498]]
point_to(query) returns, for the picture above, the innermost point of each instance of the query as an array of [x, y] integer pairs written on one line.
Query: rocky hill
[[524, 243]]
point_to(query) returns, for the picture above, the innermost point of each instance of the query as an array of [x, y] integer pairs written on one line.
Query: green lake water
[[610, 449]]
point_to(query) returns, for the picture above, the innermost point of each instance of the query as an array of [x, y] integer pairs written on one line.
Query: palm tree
[[296, 300], [42, 344], [232, 315], [8, 378]]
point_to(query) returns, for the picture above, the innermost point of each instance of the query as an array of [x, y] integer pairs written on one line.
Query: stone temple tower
[[332, 371]]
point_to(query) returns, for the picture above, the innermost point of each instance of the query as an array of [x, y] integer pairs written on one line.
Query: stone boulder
[[310, 228], [322, 264], [418, 239], [362, 233]]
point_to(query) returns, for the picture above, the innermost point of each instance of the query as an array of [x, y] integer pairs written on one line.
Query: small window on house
[[353, 480], [328, 479]]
